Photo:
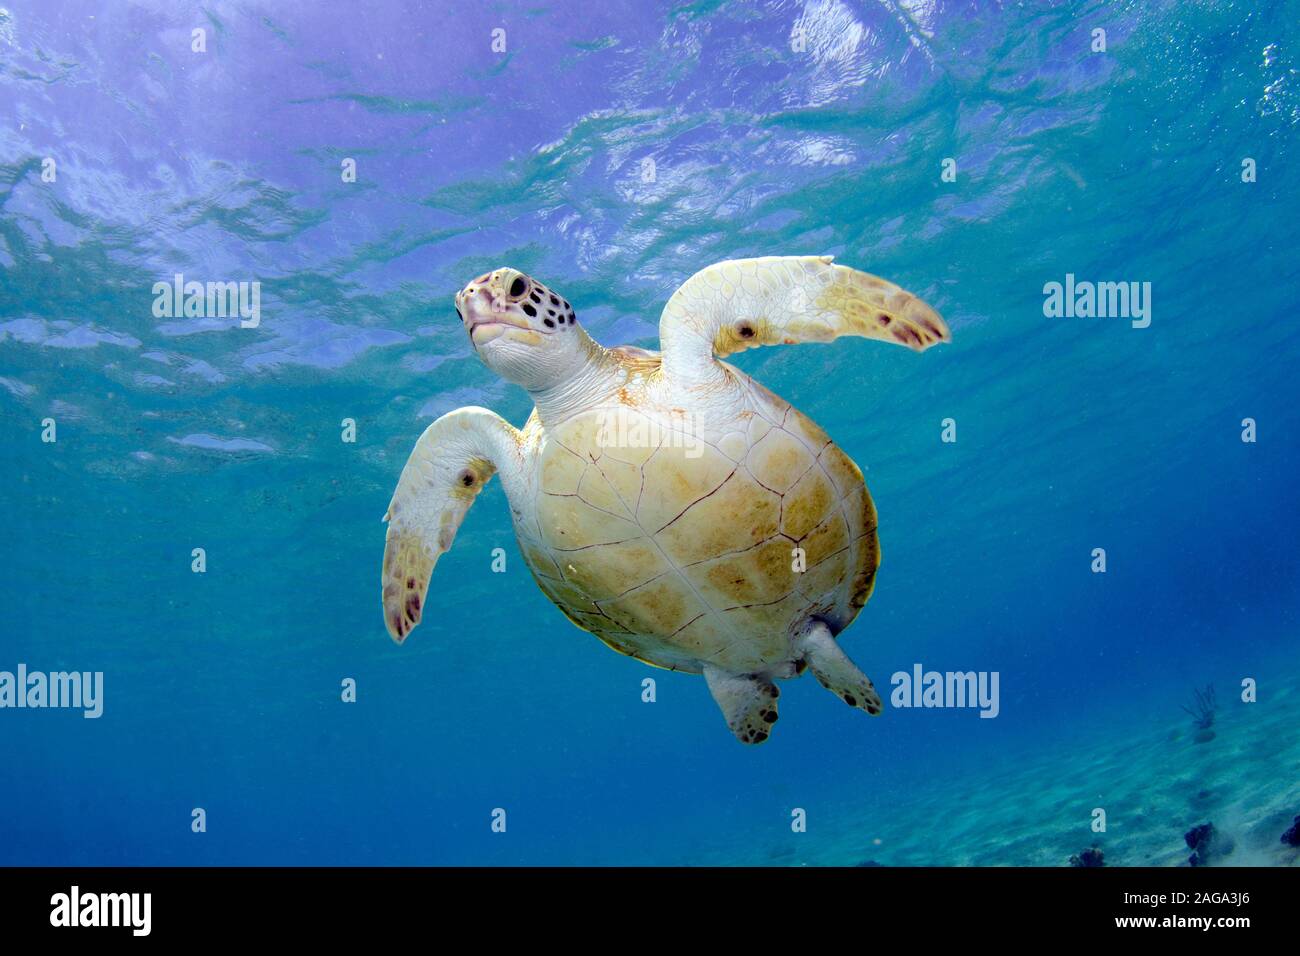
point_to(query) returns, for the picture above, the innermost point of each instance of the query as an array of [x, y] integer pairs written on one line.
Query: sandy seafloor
[[1034, 808]]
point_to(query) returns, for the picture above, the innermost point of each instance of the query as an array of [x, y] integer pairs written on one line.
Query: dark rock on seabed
[[1090, 857], [1206, 844]]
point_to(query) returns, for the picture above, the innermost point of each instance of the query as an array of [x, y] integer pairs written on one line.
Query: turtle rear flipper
[[747, 701], [834, 671]]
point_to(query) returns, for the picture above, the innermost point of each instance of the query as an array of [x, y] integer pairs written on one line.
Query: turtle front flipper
[[450, 464], [784, 300], [748, 702]]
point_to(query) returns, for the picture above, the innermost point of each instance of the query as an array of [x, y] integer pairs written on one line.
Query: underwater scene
[[1013, 476]]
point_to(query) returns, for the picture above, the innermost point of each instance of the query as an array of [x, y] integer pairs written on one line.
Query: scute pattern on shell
[[683, 559]]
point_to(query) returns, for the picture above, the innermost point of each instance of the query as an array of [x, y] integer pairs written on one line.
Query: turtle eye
[[518, 288]]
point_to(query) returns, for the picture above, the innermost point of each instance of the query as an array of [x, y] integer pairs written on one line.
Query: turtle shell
[[679, 541]]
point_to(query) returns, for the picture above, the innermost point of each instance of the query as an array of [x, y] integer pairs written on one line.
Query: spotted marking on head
[[509, 302]]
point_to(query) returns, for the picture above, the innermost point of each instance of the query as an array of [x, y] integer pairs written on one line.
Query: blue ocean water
[[612, 149]]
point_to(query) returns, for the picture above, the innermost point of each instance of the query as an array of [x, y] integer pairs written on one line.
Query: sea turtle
[[665, 501]]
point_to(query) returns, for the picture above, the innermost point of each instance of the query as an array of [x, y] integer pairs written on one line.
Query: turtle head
[[521, 330]]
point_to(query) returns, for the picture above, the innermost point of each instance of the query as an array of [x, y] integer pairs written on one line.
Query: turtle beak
[[488, 311], [487, 315]]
